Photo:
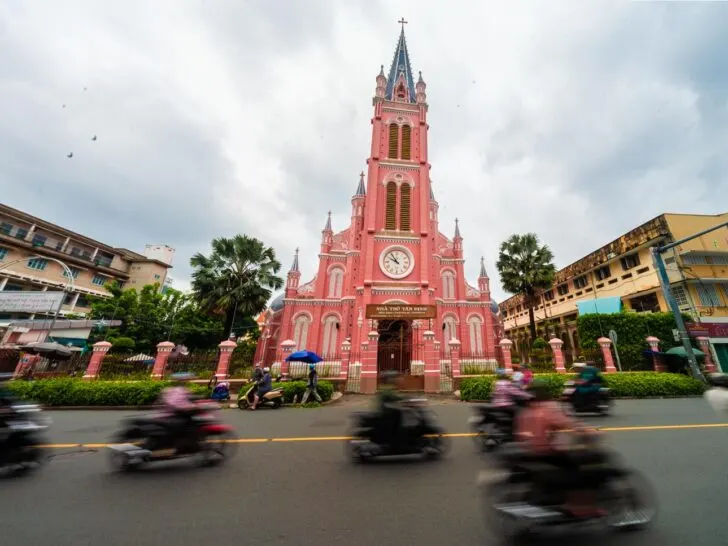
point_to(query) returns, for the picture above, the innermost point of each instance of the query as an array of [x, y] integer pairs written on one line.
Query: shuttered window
[[406, 141], [391, 218], [404, 208], [394, 141]]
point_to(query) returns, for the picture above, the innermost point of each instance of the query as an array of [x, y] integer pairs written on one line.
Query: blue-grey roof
[[277, 303], [494, 307], [400, 66]]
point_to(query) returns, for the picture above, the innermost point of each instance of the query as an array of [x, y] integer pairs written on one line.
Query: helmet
[[540, 390], [266, 369]]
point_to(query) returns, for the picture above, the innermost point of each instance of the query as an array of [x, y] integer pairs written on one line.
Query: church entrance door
[[395, 350]]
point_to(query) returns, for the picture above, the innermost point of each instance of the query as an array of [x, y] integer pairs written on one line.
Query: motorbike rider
[[177, 400], [389, 407], [505, 395], [588, 381], [257, 373], [264, 387], [536, 426]]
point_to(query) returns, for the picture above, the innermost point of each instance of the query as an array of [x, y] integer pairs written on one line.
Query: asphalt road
[[304, 491]]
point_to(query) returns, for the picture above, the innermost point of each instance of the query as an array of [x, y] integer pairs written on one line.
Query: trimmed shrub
[[292, 389], [630, 384], [77, 392]]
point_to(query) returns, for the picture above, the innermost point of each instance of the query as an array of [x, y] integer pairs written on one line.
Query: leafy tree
[[237, 278], [526, 268]]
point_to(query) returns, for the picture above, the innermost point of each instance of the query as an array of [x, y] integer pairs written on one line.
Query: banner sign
[[391, 311], [14, 301], [707, 329]]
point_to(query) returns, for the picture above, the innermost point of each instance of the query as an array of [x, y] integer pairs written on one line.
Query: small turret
[[483, 280], [381, 84], [294, 276], [420, 95], [327, 235]]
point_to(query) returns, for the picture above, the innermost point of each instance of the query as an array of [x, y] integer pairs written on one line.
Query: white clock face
[[396, 263]]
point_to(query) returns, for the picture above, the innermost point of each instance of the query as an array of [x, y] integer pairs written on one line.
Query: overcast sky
[[576, 120]]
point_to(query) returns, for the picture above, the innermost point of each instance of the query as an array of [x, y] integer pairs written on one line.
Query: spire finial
[[483, 272], [403, 23], [327, 227], [381, 70], [294, 265], [457, 228], [361, 189]]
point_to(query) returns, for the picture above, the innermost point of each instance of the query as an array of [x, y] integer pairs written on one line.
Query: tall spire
[[483, 272], [294, 265], [361, 190], [401, 70], [327, 227], [457, 229]]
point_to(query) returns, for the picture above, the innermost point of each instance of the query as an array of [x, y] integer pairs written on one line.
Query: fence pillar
[[369, 370], [606, 344], [97, 358], [704, 344], [286, 349], [345, 359], [654, 344], [506, 345], [556, 348], [455, 357], [164, 349], [432, 363], [223, 362]]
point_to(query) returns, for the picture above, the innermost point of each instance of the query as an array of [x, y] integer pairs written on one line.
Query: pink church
[[390, 292]]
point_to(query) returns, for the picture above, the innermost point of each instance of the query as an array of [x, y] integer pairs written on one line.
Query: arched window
[[475, 327], [331, 334], [406, 141], [394, 141], [404, 207], [300, 331], [390, 221], [449, 332], [448, 285], [336, 282]]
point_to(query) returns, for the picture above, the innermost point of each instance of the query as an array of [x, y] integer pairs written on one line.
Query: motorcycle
[[599, 402], [519, 507], [147, 439], [19, 442], [419, 435], [717, 395], [272, 399], [493, 426]]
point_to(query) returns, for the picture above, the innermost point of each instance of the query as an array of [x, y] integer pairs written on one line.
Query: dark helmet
[[541, 390]]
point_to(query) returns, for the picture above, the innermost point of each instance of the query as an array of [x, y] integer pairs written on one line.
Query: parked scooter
[[272, 399], [21, 437], [517, 506], [147, 439], [599, 402], [419, 434], [493, 425]]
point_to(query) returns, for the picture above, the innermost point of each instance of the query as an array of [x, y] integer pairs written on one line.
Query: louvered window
[[404, 208], [391, 219], [406, 141], [394, 141]]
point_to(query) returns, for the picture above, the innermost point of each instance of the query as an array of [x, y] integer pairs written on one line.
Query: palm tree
[[238, 277], [526, 268]]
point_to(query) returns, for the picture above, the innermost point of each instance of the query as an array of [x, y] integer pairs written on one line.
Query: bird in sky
[[69, 155], [94, 138]]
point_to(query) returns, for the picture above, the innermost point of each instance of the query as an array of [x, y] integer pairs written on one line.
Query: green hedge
[[77, 392], [630, 384], [293, 388]]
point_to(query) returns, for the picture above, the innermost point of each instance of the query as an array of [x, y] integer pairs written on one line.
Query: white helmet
[[266, 369]]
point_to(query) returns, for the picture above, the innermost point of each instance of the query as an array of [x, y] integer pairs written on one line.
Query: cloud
[[574, 120]]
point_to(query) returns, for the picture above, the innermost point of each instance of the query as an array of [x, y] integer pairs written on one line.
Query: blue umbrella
[[304, 356]]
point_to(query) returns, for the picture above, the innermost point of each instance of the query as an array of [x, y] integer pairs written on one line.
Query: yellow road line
[[447, 435]]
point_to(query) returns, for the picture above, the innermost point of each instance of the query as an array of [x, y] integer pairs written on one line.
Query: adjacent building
[[29, 247], [621, 275]]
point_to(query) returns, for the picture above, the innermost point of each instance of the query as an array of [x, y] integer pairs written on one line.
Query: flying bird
[[94, 138], [69, 155]]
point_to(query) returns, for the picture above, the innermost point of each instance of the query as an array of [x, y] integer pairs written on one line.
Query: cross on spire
[[402, 22]]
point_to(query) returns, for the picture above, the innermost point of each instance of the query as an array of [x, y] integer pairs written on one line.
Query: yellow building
[[27, 243], [621, 275]]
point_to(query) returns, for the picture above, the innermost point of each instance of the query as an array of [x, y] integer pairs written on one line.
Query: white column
[[93, 256], [31, 232], [3, 282], [65, 244], [74, 302]]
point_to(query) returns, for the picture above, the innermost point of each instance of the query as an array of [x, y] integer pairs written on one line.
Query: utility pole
[[665, 283]]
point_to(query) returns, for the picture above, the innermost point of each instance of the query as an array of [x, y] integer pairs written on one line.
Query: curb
[[667, 397]]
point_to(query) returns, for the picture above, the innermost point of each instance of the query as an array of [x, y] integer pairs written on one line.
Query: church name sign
[[401, 311]]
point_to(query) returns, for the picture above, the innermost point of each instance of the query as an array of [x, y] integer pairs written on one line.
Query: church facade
[[390, 291]]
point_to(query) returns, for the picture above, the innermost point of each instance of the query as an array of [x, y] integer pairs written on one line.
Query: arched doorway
[[395, 346]]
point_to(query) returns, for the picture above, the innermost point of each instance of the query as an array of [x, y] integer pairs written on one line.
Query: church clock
[[396, 262]]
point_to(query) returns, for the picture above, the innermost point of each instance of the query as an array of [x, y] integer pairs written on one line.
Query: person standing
[[312, 384]]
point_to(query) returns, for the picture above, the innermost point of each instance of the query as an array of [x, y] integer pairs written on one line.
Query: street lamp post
[[70, 287]]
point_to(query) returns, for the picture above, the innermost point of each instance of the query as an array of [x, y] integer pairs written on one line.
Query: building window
[[725, 292], [406, 141], [68, 300], [39, 240], [37, 263], [391, 212], [475, 327], [692, 259], [3, 253], [404, 207], [300, 331], [548, 295], [448, 285], [99, 280], [648, 302], [708, 295], [394, 141], [449, 328], [563, 289], [74, 272], [331, 332], [721, 259], [580, 282], [83, 301], [603, 273], [157, 277], [628, 262], [678, 292], [6, 228], [336, 282], [21, 233]]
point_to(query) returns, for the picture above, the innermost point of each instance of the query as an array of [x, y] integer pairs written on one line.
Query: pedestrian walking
[[312, 384]]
